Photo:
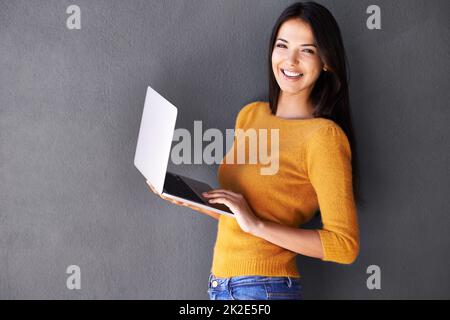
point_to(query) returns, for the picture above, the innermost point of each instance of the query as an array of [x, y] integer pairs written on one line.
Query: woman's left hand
[[245, 217]]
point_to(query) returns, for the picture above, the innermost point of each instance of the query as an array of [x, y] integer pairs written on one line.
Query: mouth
[[291, 74]]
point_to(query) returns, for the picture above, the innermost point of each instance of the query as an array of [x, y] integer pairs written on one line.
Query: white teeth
[[291, 74]]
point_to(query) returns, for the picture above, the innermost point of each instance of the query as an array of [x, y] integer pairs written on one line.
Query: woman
[[254, 254]]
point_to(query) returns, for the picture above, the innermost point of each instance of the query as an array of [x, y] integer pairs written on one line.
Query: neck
[[294, 106]]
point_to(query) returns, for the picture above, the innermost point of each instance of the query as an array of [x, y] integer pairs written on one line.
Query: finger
[[196, 208], [172, 200], [193, 207], [229, 192], [219, 195], [204, 211], [223, 200], [199, 209], [177, 202]]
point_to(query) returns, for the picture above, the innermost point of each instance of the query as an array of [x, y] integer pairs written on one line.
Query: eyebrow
[[303, 45]]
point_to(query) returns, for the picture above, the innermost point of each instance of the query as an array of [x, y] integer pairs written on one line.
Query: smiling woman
[[254, 255], [255, 249]]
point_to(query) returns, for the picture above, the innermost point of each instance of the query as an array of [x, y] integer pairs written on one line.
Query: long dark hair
[[330, 95]]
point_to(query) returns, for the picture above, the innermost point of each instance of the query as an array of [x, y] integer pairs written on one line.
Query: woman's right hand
[[185, 204]]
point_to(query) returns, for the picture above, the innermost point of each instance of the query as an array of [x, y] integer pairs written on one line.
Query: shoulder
[[326, 127], [252, 107], [250, 111], [328, 135]]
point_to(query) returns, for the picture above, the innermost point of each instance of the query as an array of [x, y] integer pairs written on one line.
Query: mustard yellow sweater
[[314, 172]]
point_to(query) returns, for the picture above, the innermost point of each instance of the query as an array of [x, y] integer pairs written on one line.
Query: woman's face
[[295, 51]]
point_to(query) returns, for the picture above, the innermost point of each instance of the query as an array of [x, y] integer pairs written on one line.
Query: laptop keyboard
[[175, 186]]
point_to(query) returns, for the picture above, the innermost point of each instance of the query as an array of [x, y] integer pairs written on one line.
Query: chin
[[291, 90]]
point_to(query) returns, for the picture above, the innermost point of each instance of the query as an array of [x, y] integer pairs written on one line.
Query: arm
[[301, 241], [328, 161], [328, 165]]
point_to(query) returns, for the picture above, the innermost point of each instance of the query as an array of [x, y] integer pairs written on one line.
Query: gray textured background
[[70, 108]]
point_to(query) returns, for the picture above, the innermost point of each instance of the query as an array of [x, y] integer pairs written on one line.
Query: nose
[[292, 58]]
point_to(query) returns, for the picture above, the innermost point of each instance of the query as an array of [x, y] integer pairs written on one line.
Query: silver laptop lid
[[155, 138]]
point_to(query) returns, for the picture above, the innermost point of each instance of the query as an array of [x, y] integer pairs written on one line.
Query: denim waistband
[[240, 280]]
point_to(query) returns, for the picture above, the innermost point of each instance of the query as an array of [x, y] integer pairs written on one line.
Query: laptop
[[152, 156]]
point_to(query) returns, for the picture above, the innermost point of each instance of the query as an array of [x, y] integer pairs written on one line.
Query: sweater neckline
[[284, 120]]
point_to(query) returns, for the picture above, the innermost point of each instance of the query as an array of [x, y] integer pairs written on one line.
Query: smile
[[291, 75]]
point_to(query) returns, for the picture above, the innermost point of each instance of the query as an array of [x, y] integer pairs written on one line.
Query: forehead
[[296, 31]]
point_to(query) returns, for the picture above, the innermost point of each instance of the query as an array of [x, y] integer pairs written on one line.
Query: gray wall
[[70, 108]]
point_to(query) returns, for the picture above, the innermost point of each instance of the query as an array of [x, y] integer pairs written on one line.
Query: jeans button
[[214, 284]]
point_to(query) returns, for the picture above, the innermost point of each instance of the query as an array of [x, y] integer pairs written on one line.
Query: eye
[[281, 45], [309, 51]]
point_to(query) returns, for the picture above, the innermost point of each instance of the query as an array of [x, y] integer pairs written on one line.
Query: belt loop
[[210, 277], [228, 283], [289, 281]]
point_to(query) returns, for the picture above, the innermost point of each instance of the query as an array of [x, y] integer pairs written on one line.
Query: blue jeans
[[254, 288]]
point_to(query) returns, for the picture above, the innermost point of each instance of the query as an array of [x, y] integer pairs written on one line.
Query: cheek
[[274, 66], [274, 61], [276, 58], [313, 68]]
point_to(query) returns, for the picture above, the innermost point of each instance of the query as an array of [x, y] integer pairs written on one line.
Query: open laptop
[[152, 155]]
